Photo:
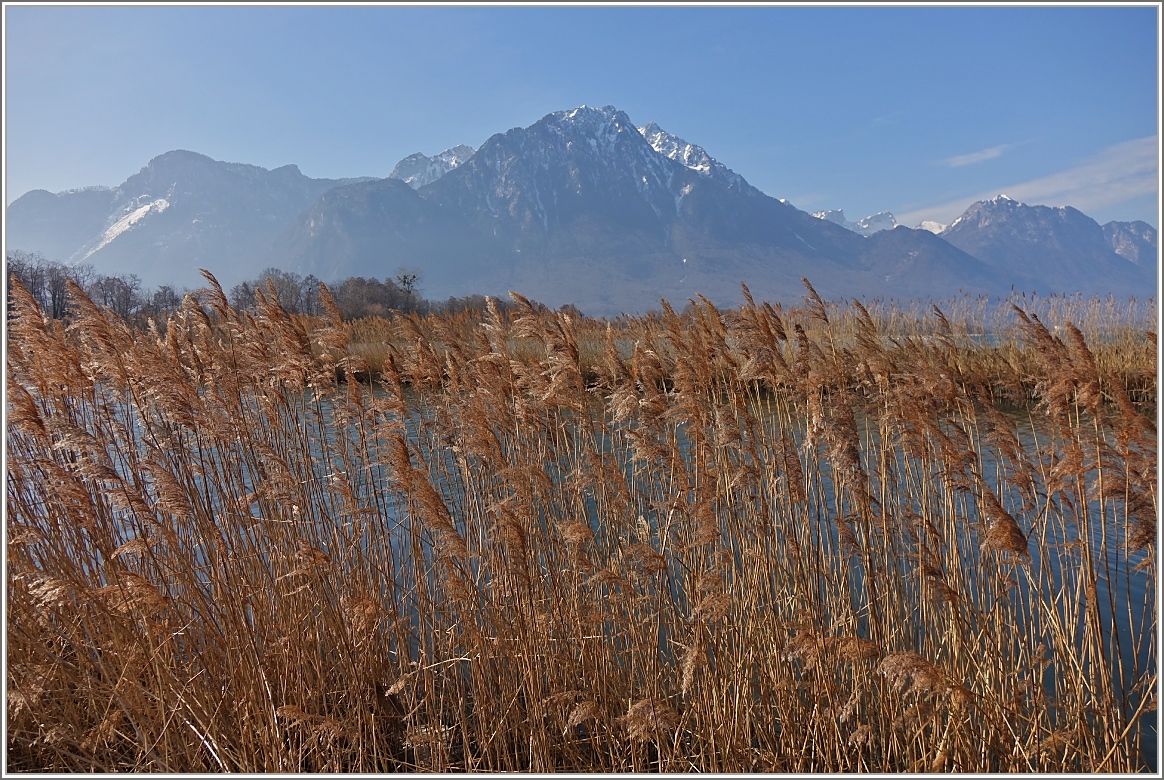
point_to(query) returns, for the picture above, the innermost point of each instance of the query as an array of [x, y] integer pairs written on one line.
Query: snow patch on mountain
[[126, 222], [934, 227]]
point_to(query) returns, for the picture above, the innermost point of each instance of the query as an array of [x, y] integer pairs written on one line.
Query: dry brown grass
[[767, 539]]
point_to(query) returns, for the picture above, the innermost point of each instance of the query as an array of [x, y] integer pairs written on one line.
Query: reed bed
[[751, 540], [989, 342]]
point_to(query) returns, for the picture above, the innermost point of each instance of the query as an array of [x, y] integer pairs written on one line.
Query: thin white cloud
[[886, 119], [977, 157], [806, 200], [1115, 175]]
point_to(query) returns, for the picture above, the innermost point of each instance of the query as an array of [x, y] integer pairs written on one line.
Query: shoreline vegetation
[[822, 538]]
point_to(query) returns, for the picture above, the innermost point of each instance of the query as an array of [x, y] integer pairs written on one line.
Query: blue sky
[[919, 111]]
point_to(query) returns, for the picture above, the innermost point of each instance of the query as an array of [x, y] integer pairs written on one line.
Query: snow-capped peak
[[932, 226], [603, 130], [417, 170], [588, 119], [588, 113], [874, 223], [882, 220], [690, 155], [834, 215]]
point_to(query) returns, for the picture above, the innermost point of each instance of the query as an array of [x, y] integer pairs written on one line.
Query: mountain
[[416, 170], [933, 227], [882, 220], [584, 207], [1135, 241], [180, 212], [1058, 249]]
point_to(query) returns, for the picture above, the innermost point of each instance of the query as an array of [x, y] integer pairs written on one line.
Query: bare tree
[[47, 280], [164, 300], [120, 294], [242, 296], [29, 269], [407, 280]]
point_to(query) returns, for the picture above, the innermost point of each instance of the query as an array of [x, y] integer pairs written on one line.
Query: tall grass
[[754, 540]]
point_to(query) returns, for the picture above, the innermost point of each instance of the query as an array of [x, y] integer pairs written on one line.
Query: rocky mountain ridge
[[417, 170]]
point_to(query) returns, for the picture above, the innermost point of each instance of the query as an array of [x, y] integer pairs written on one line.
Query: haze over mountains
[[582, 207]]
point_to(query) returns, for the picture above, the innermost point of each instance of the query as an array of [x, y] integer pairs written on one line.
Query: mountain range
[[581, 207]]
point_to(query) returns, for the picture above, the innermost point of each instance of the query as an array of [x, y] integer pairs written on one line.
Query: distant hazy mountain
[[918, 264], [58, 224], [882, 220], [180, 212], [581, 207], [1059, 249], [416, 170]]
